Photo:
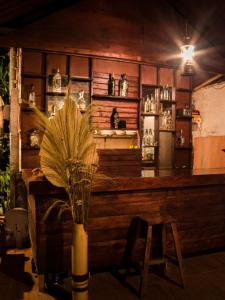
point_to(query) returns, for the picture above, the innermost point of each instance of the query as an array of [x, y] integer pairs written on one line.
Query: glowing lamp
[[187, 52]]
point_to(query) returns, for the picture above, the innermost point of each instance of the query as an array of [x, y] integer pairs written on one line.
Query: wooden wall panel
[[182, 158], [30, 159], [183, 82], [185, 125], [148, 74], [38, 87], [208, 152], [120, 163], [117, 67], [182, 99], [32, 62], [55, 61], [127, 110], [28, 121], [100, 84], [166, 76], [79, 66]]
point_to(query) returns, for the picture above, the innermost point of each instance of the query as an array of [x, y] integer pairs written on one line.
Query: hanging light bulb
[[187, 51]]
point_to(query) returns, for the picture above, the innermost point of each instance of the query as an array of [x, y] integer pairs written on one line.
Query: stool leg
[[178, 251], [144, 273]]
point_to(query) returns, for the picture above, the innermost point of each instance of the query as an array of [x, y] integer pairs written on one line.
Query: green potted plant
[[4, 131], [69, 159]]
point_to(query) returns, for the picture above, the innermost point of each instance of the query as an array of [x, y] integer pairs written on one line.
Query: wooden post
[[15, 96]]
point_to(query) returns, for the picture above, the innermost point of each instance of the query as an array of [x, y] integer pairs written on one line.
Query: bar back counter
[[196, 200]]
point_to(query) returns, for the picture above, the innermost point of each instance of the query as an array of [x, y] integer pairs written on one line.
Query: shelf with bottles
[[106, 97], [184, 113], [149, 145], [166, 118], [183, 142], [167, 94], [149, 156], [115, 86], [80, 79]]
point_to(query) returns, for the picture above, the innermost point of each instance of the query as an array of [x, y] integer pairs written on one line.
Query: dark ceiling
[[152, 25]]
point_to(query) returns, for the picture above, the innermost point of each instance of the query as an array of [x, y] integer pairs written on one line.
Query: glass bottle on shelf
[[114, 118], [164, 119], [31, 96], [57, 82], [147, 104], [166, 92], [123, 86], [151, 137], [81, 101], [169, 119], [153, 104], [157, 93], [145, 138], [162, 93], [181, 139], [111, 85]]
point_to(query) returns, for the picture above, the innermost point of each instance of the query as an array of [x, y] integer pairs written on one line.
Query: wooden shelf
[[183, 148], [55, 93], [27, 147], [167, 130], [187, 118], [150, 146], [32, 75], [149, 114], [168, 101], [184, 90], [80, 78], [114, 136], [97, 96]]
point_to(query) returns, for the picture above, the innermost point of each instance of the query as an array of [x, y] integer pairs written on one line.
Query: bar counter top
[[164, 179]]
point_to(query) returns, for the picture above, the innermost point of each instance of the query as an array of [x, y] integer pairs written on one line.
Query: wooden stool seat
[[147, 261]]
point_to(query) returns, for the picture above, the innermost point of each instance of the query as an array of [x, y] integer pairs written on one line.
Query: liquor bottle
[[123, 86], [114, 118], [181, 139], [152, 104], [81, 101], [57, 82], [162, 93], [151, 138], [31, 97], [111, 85], [166, 92], [147, 104], [145, 138]]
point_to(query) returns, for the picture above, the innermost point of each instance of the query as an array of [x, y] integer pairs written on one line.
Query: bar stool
[[146, 260]]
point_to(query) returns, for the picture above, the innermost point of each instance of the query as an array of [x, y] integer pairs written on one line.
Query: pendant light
[[187, 52]]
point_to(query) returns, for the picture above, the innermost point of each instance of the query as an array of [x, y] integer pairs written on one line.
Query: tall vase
[[79, 261]]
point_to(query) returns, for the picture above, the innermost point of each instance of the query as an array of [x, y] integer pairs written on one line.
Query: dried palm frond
[[68, 156]]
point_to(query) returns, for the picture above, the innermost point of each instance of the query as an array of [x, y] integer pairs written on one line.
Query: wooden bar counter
[[195, 199]]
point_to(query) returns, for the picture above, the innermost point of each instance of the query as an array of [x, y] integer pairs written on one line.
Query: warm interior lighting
[[187, 52]]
